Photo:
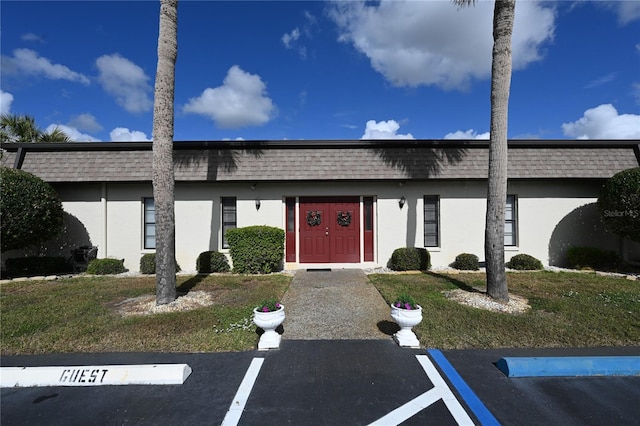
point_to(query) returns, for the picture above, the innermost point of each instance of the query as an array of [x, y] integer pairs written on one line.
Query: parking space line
[[440, 391], [469, 397], [240, 400]]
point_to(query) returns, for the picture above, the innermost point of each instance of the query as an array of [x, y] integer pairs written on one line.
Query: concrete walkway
[[335, 305]]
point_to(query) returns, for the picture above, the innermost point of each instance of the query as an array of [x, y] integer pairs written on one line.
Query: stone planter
[[269, 321], [406, 319]]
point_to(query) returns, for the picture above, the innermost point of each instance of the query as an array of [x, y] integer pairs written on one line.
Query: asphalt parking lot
[[329, 383]]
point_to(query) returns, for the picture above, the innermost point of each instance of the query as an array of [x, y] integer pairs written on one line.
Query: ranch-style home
[[341, 203]]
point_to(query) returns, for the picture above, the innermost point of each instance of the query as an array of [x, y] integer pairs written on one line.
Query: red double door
[[330, 230]]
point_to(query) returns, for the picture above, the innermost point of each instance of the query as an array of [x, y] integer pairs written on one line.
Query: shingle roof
[[323, 160]]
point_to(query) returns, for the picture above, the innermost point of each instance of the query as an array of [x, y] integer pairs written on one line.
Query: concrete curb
[[570, 366]]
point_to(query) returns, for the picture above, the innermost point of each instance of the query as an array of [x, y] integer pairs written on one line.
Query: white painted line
[[440, 391], [409, 409], [240, 400], [94, 375], [450, 400]]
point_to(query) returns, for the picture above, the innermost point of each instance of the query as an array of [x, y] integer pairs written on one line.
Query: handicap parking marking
[[470, 398], [232, 418], [440, 391]]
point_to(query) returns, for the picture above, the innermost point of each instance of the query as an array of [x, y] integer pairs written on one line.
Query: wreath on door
[[314, 217], [344, 218]]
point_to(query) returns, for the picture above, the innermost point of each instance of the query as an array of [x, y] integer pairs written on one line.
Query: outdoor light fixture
[[257, 204], [402, 201], [254, 186]]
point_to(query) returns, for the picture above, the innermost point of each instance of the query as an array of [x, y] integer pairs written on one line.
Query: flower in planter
[[268, 305], [405, 301]]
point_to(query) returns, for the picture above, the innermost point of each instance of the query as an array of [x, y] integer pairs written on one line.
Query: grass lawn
[[77, 315], [567, 310]]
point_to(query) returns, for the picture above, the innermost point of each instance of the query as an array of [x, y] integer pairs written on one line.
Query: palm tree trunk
[[163, 172], [503, 18]]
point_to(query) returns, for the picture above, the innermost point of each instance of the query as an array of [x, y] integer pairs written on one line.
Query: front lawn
[[567, 310], [78, 315]]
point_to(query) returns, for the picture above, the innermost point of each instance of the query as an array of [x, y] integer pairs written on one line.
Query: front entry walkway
[[335, 305]]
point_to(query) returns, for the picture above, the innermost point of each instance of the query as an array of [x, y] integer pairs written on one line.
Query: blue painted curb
[[570, 366], [471, 399]]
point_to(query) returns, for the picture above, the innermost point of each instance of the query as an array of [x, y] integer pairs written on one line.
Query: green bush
[[148, 264], [524, 262], [30, 211], [619, 204], [36, 265], [409, 259], [106, 266], [256, 249], [593, 258], [212, 261], [466, 262]]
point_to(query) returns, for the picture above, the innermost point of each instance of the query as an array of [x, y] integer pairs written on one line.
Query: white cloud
[[626, 10], [29, 62], [604, 122], [468, 134], [287, 38], [85, 122], [241, 101], [125, 81], [73, 133], [384, 130], [414, 43], [122, 134], [6, 99]]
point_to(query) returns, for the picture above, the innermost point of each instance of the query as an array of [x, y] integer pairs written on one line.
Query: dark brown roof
[[323, 160]]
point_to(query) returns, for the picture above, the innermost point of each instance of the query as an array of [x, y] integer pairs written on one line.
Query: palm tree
[[503, 18], [163, 172], [23, 128]]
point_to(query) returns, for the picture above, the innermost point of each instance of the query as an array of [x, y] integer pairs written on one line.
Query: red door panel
[[330, 230], [314, 241]]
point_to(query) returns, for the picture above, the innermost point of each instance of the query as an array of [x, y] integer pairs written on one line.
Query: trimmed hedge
[[148, 264], [466, 262], [409, 259], [106, 267], [212, 261], [592, 257], [619, 204], [37, 265], [524, 262], [30, 210], [256, 249]]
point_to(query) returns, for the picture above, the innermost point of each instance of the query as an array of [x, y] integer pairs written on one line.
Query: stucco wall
[[552, 215]]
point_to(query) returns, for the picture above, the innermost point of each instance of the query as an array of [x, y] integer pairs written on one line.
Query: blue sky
[[322, 70]]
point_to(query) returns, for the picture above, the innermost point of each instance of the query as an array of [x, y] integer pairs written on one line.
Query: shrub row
[[409, 259], [593, 258], [36, 265], [256, 249], [106, 266]]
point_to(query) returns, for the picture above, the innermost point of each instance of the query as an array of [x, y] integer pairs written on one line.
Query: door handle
[[326, 231]]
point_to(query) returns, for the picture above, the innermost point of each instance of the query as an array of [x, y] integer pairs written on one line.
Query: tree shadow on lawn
[[460, 284], [189, 284]]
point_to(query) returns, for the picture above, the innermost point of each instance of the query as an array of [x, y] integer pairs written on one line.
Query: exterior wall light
[[401, 202], [257, 204]]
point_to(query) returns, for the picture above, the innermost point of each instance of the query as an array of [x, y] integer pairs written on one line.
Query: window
[[431, 220], [228, 218], [149, 223], [510, 221]]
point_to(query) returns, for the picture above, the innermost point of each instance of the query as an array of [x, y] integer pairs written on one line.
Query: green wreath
[[344, 218], [314, 217]]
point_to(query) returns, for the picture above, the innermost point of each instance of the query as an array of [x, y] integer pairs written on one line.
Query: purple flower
[[407, 306], [265, 309], [398, 304], [278, 305]]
